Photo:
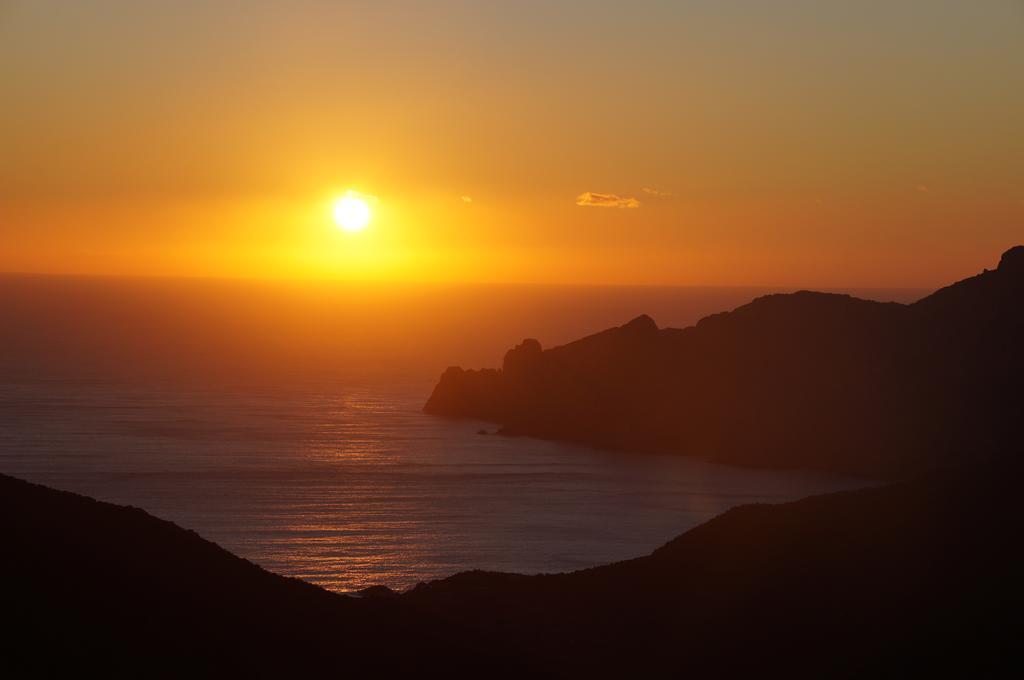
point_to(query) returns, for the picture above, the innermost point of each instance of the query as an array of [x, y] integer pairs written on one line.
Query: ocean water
[[282, 420], [355, 486]]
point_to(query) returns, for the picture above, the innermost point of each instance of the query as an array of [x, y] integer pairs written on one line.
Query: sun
[[351, 212]]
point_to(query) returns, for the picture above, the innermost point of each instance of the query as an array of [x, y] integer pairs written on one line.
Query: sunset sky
[[719, 142]]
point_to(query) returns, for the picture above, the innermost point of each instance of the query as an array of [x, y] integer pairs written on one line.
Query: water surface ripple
[[355, 487]]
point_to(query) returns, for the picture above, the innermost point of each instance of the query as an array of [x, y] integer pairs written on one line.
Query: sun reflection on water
[[355, 488]]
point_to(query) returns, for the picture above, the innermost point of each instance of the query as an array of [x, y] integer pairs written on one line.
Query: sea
[[334, 474]]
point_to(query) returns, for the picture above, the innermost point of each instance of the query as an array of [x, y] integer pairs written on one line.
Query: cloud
[[369, 198], [656, 192], [467, 199], [589, 198]]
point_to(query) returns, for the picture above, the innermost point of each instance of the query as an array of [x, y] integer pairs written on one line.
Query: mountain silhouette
[[807, 380], [899, 580], [91, 586]]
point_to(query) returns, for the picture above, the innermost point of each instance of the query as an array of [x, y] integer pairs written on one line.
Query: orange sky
[[789, 143]]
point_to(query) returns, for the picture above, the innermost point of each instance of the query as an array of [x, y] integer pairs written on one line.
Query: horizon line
[[440, 283]]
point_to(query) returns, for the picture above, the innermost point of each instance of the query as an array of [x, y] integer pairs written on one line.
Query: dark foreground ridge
[[891, 581], [811, 380]]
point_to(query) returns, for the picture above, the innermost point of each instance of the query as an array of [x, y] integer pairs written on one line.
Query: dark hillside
[[807, 380]]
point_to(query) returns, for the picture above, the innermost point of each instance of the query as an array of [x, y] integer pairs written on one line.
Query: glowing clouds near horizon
[[594, 200], [352, 211]]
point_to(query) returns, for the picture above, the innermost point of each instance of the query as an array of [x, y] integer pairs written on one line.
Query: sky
[[701, 142]]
